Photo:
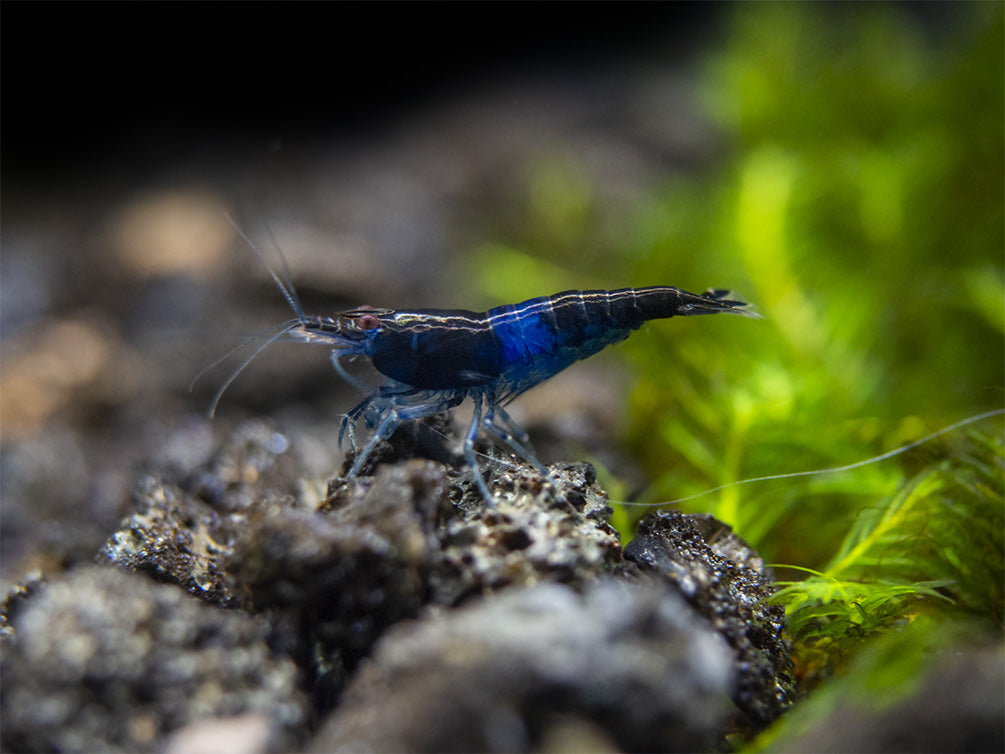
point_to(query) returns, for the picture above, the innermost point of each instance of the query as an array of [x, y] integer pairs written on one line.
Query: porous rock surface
[[401, 593], [106, 660], [629, 666], [726, 582]]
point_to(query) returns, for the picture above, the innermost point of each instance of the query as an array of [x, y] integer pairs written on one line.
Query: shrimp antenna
[[283, 328], [833, 470], [815, 472], [286, 288], [288, 324], [289, 294]]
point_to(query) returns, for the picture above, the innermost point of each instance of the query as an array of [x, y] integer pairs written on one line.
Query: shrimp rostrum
[[434, 359]]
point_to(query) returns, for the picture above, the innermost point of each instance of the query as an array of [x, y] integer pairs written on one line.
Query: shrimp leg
[[469, 446], [515, 437], [395, 412]]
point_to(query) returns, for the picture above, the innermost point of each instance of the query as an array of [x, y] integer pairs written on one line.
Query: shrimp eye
[[367, 322]]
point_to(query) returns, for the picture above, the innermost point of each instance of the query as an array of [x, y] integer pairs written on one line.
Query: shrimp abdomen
[[542, 336]]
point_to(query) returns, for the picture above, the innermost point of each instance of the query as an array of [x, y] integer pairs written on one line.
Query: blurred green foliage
[[858, 200], [864, 204], [879, 685], [934, 546]]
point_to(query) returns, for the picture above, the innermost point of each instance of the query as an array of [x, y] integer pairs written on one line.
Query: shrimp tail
[[661, 302]]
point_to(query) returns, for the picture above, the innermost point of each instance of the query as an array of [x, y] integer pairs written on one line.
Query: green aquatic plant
[[933, 547], [857, 200], [839, 214]]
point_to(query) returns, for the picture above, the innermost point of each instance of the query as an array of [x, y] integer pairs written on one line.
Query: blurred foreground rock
[[957, 704], [629, 666], [397, 613], [724, 581], [105, 660]]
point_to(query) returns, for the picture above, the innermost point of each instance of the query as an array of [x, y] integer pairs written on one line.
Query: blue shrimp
[[434, 359]]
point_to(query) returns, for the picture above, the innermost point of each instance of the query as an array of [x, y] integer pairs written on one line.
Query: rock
[[726, 582], [534, 533], [19, 596], [407, 603], [182, 529], [106, 660], [174, 538], [333, 582], [243, 734], [623, 664], [957, 703], [385, 546]]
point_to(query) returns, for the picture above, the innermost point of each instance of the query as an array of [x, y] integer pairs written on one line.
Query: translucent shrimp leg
[[515, 437], [393, 415]]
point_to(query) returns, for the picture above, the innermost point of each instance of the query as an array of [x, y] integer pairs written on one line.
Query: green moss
[[933, 547]]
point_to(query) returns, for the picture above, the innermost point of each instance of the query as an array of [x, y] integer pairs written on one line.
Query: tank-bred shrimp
[[436, 358]]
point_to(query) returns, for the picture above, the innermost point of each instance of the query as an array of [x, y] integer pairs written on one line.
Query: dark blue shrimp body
[[518, 346], [436, 358], [447, 349], [543, 336]]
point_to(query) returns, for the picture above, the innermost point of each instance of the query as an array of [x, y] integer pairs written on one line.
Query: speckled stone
[[725, 581], [106, 660], [553, 636], [626, 665]]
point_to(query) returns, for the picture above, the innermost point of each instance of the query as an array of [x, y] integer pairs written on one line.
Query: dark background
[[85, 85]]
